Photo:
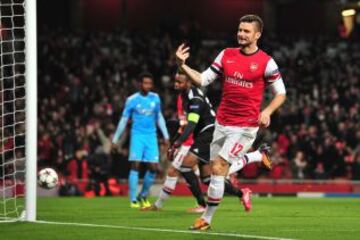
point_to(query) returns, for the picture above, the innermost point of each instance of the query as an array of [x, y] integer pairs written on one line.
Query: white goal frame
[[31, 109]]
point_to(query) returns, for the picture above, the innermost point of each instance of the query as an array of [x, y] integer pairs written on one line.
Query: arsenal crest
[[253, 66]]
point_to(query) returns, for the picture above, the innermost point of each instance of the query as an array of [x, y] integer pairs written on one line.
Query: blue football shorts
[[144, 148]]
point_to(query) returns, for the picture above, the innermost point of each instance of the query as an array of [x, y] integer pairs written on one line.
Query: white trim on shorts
[[230, 142], [179, 156]]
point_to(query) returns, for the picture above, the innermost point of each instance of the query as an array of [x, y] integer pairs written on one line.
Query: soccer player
[[193, 147], [144, 109], [175, 170], [245, 73]]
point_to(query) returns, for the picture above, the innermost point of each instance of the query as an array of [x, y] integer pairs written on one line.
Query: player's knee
[[216, 170], [135, 166], [219, 167], [152, 167]]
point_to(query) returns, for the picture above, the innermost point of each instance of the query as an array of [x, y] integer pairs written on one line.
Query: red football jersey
[[244, 79], [182, 118]]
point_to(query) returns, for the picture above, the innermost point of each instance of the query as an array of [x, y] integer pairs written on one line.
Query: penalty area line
[[235, 235]]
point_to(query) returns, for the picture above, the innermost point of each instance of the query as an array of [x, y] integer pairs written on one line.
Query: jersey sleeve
[[278, 87], [127, 108], [195, 108], [273, 78], [214, 71], [272, 73]]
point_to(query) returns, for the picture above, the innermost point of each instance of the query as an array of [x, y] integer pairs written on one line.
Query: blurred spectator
[[77, 170], [298, 165]]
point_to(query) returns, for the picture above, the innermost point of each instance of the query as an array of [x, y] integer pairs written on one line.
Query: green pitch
[[111, 218]]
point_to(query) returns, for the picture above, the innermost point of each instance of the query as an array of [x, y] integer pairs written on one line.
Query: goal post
[[18, 110], [31, 109]]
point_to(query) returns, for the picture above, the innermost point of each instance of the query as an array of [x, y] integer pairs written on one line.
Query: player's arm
[[274, 79], [200, 79], [161, 122], [162, 125], [193, 117], [123, 121], [278, 88]]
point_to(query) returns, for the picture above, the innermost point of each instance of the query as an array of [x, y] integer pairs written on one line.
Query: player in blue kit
[[144, 109]]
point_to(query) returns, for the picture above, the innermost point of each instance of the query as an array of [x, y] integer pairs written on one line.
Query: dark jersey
[[195, 101]]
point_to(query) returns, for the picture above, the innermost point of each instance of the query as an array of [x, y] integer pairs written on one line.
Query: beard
[[244, 44]]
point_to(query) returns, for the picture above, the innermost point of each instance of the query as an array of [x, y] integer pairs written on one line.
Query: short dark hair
[[250, 18], [145, 75]]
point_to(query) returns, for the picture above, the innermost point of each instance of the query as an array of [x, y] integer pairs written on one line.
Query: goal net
[[13, 109]]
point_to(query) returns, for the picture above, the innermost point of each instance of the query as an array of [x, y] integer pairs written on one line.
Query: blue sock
[[148, 181], [133, 184]]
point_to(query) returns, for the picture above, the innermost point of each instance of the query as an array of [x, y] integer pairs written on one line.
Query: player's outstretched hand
[[182, 53], [264, 119]]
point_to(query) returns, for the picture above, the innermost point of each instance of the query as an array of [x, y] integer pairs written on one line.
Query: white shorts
[[231, 143], [179, 156]]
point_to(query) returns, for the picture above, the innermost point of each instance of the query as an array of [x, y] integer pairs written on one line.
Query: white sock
[[255, 156], [236, 166], [168, 188], [215, 195]]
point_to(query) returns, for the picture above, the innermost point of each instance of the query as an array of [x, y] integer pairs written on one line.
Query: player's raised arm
[[200, 79], [273, 77], [123, 121], [182, 54]]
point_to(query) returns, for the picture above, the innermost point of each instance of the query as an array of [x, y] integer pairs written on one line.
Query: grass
[[327, 218]]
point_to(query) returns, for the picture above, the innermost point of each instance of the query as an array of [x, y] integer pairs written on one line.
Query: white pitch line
[[235, 235]]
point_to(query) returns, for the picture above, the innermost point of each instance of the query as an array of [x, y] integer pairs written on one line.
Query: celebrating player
[[245, 72], [192, 147], [144, 108]]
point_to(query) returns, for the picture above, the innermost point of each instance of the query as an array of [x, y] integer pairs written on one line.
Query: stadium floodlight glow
[[348, 12]]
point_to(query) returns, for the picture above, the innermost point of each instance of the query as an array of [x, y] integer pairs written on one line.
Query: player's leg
[[216, 184], [148, 180], [133, 183], [171, 179], [135, 156], [229, 188], [151, 157], [201, 150], [167, 189], [237, 142], [219, 169], [260, 155], [192, 180]]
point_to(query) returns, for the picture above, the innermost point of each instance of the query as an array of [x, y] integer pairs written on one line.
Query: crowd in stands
[[85, 77]]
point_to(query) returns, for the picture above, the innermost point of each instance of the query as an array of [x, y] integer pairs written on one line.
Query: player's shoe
[[265, 150], [246, 199], [200, 225], [197, 209], [144, 202], [150, 208], [134, 205]]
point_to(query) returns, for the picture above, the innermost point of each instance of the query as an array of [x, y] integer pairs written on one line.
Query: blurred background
[[91, 51]]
